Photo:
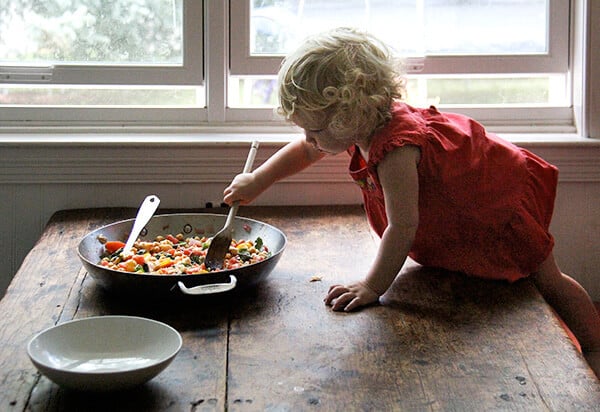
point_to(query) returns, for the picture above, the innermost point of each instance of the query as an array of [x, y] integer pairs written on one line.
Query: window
[[193, 62], [504, 36], [469, 54], [95, 58]]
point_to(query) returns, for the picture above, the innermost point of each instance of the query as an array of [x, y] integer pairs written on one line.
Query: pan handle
[[209, 289]]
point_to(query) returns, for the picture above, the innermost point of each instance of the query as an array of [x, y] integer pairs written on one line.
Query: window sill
[[228, 136], [549, 139], [215, 156]]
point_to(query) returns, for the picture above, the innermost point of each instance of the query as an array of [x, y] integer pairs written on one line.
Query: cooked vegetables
[[171, 255], [113, 246]]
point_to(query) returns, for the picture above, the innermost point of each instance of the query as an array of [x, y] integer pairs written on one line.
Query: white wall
[[38, 179]]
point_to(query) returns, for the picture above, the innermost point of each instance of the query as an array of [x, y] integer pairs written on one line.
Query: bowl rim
[[38, 361]]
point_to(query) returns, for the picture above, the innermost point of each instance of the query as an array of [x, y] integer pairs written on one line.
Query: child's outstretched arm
[[291, 159], [399, 180]]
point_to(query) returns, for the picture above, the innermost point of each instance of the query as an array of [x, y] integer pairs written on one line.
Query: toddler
[[436, 186]]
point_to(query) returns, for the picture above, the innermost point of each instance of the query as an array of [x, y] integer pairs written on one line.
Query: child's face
[[318, 134]]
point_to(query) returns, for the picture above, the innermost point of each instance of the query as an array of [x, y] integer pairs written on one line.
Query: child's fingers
[[349, 298], [348, 302], [354, 304], [342, 298], [334, 292], [233, 194], [228, 198], [334, 287], [342, 301]]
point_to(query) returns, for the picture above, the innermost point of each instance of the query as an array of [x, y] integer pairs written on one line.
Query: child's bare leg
[[574, 306]]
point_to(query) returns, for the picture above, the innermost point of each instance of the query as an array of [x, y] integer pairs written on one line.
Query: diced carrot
[[113, 245], [139, 259], [172, 239]]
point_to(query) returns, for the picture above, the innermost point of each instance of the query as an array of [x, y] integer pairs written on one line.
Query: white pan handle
[[209, 289]]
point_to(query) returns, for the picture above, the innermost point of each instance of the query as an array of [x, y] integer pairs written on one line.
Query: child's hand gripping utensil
[[220, 243]]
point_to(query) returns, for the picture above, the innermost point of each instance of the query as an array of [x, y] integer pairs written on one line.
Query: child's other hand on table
[[348, 298]]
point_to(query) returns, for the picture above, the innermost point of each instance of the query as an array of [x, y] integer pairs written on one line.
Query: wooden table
[[440, 341]]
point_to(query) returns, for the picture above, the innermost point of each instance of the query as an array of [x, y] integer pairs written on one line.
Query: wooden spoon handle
[[247, 167], [251, 157]]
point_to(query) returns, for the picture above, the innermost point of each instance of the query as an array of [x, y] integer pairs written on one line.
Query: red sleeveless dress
[[485, 205]]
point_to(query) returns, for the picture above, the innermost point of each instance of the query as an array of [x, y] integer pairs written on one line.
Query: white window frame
[[218, 16], [188, 73], [587, 63]]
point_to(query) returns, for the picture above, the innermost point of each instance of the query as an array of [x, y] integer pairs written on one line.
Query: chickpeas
[[171, 255]]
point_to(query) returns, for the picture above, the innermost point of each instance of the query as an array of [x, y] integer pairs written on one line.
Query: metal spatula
[[144, 214], [219, 245]]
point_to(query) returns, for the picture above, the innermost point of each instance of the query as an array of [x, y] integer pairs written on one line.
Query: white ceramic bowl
[[104, 352]]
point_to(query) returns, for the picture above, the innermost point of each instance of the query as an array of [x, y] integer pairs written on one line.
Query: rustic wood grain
[[438, 341], [35, 302]]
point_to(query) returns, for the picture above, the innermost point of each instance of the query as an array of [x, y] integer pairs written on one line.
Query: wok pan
[[90, 251]]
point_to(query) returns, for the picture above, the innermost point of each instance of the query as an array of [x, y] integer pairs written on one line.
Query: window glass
[[88, 95], [538, 90], [101, 53], [412, 27], [82, 31], [476, 52]]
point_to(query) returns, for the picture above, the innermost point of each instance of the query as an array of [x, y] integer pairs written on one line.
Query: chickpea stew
[[177, 254]]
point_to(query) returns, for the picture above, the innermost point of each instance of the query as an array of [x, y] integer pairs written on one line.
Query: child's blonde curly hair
[[347, 73]]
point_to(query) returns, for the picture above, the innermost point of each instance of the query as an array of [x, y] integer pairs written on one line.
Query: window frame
[[553, 119], [218, 117], [190, 72]]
